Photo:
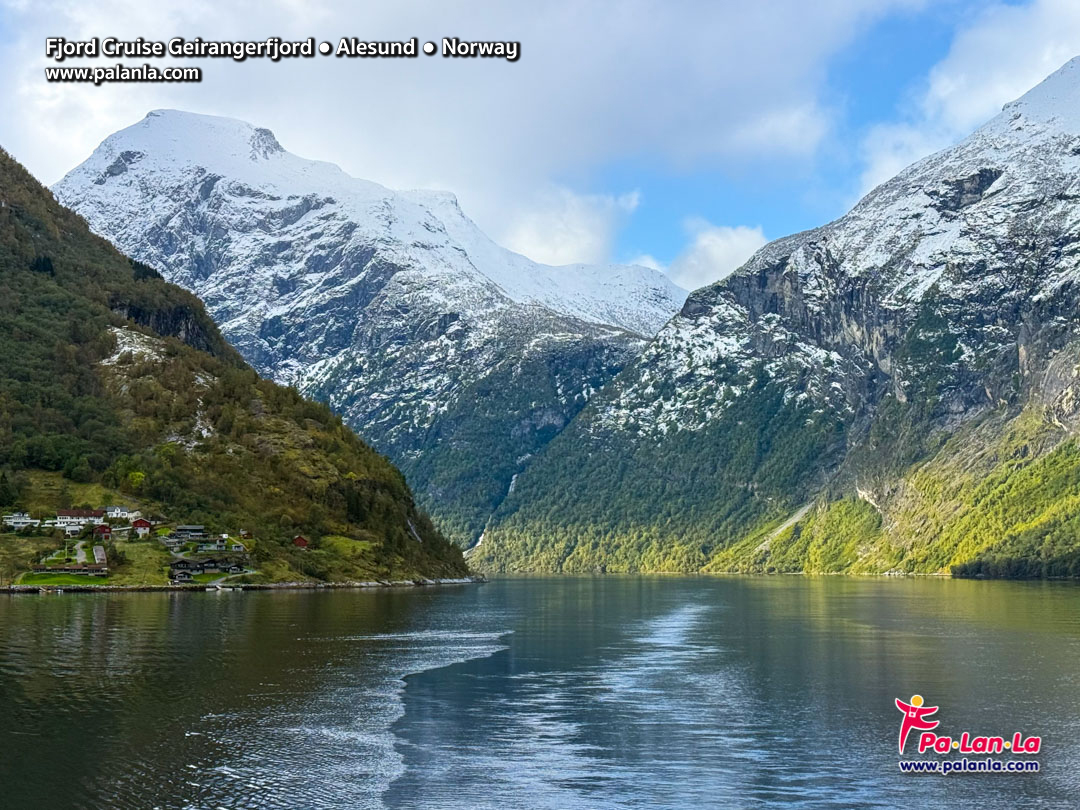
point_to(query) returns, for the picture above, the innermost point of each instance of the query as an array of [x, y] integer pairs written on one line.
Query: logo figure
[[915, 715]]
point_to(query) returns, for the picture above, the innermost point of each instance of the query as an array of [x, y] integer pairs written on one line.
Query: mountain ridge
[[225, 149]]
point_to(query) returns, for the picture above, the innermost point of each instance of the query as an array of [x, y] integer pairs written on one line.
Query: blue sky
[[677, 134], [872, 80]]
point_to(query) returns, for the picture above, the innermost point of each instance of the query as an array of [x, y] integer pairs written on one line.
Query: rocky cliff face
[[947, 295], [962, 268], [456, 357]]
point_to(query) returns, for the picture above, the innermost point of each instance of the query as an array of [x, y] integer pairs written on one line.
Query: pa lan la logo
[[917, 717]]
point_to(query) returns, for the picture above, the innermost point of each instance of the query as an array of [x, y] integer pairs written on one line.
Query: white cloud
[[794, 130], [716, 84], [1003, 53], [561, 227], [714, 253], [889, 148], [648, 260], [1008, 50]]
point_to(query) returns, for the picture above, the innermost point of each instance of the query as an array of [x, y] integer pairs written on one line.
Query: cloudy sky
[[675, 133]]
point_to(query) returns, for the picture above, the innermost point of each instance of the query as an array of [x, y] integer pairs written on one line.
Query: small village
[[195, 555]]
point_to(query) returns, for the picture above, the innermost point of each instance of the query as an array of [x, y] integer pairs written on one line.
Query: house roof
[[80, 513], [185, 562]]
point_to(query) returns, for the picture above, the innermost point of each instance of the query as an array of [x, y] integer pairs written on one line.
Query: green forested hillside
[[998, 498], [110, 375], [639, 506]]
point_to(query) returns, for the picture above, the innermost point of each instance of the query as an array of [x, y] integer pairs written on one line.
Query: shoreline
[[777, 574], [269, 586]]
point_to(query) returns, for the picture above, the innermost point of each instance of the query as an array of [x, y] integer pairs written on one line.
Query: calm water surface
[[557, 693]]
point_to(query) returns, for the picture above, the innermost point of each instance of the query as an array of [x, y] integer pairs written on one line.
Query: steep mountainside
[[895, 390], [109, 374], [458, 358]]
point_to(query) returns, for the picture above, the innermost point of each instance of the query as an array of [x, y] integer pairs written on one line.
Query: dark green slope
[[178, 421]]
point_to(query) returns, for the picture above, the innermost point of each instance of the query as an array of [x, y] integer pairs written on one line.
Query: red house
[[141, 526], [104, 531], [300, 541]]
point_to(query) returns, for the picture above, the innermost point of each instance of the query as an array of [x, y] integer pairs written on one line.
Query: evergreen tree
[[8, 496]]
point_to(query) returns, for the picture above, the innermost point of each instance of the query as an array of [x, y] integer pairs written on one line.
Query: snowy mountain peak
[[989, 226], [195, 139], [194, 134], [175, 143], [905, 236], [1056, 99], [137, 173]]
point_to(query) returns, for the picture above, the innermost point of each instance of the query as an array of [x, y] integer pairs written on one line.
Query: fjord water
[[617, 692]]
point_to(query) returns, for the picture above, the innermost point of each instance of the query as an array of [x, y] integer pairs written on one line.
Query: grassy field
[[146, 563], [50, 491], [360, 556], [276, 571], [143, 562], [62, 556], [17, 554], [63, 579]]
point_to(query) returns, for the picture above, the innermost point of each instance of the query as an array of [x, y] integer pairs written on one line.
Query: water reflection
[[216, 700], [730, 692], [569, 693]]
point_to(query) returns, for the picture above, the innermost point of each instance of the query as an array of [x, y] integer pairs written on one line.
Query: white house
[[79, 517], [119, 513], [20, 520]]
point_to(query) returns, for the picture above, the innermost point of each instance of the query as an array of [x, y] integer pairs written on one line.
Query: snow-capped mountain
[[836, 359], [458, 358], [983, 232]]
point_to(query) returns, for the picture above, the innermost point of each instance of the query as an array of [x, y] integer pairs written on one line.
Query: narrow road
[[80, 551], [787, 524], [791, 521]]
